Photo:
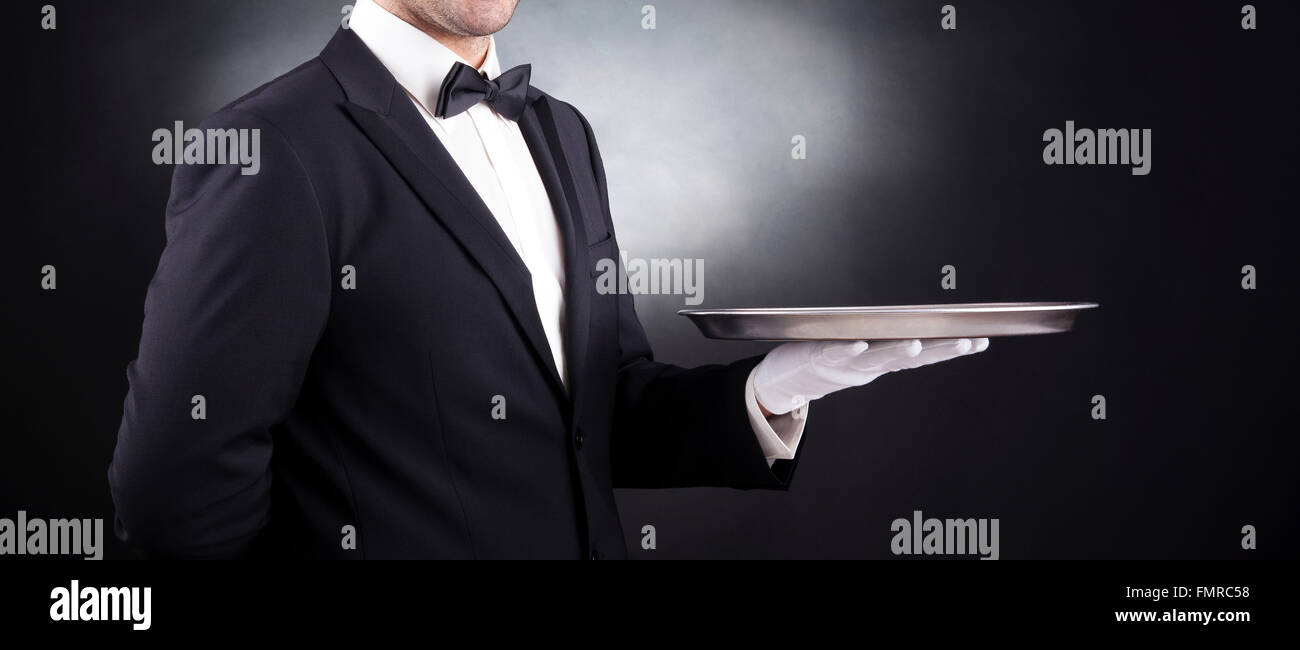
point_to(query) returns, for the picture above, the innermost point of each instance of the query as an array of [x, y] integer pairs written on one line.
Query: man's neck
[[473, 49]]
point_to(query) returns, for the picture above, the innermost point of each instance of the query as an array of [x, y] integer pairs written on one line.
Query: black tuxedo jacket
[[329, 407]]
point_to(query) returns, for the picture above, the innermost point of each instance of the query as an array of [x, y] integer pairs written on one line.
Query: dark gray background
[[924, 149]]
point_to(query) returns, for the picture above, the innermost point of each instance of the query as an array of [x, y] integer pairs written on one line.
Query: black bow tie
[[465, 87]]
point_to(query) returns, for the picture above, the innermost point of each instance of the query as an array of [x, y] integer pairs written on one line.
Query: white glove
[[796, 373]]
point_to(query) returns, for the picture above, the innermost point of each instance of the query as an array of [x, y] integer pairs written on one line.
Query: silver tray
[[887, 322]]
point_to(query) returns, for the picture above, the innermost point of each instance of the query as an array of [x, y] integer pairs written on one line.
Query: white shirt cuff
[[779, 435]]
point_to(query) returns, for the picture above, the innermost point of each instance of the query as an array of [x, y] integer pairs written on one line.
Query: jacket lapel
[[381, 109], [540, 132]]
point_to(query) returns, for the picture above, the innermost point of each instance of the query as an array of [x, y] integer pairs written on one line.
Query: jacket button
[[577, 439]]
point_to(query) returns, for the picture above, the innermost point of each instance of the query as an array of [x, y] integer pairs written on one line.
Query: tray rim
[[939, 308]]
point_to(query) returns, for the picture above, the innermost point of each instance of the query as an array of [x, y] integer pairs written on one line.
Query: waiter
[[388, 342]]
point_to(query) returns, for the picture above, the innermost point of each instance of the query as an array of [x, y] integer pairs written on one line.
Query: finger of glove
[[838, 353], [882, 353], [831, 378], [934, 351]]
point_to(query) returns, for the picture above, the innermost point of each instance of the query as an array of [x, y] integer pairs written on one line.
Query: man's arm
[[678, 427], [233, 312]]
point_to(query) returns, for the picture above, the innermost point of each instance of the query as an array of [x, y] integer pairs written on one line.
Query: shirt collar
[[416, 60]]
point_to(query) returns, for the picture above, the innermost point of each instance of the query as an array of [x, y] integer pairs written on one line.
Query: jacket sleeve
[[679, 427], [237, 303]]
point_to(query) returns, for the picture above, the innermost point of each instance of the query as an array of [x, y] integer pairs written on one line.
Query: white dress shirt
[[492, 153]]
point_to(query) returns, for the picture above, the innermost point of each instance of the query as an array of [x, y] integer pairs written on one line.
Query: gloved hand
[[794, 374]]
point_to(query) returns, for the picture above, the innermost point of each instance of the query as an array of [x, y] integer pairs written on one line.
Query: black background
[[926, 152]]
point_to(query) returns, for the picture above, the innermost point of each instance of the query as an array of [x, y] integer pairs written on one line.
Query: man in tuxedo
[[388, 342]]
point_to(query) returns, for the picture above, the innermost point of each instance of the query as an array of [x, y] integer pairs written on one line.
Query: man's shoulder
[[301, 98], [565, 114]]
